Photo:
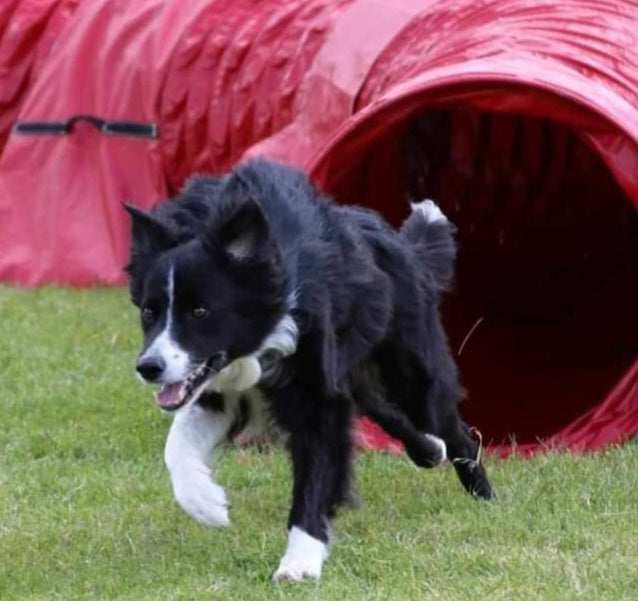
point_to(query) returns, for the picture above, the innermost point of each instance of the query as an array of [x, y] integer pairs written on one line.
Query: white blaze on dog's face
[[164, 360], [204, 302]]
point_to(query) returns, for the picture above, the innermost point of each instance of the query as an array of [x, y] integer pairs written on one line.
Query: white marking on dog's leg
[[439, 443], [192, 439], [430, 211], [304, 557], [165, 346]]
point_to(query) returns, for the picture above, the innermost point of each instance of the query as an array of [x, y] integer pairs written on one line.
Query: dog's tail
[[431, 235]]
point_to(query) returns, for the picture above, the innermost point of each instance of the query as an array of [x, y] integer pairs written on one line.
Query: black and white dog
[[264, 303]]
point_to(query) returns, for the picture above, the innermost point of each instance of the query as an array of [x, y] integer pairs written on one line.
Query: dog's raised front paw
[[201, 498]]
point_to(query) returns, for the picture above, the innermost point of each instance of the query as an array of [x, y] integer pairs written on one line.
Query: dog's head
[[209, 291]]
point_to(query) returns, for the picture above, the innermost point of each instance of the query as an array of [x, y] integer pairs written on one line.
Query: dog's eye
[[148, 315], [200, 312]]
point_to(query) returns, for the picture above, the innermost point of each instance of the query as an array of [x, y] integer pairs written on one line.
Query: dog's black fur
[[261, 242]]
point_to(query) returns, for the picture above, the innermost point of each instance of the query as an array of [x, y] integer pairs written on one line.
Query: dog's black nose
[[150, 368]]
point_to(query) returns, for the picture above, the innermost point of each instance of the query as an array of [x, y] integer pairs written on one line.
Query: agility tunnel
[[520, 118]]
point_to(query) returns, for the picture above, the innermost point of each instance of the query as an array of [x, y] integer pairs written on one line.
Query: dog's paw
[[303, 559], [201, 498], [440, 444], [297, 569], [240, 375], [428, 451]]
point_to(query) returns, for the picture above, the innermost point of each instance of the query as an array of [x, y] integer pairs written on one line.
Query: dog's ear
[[242, 232], [148, 233]]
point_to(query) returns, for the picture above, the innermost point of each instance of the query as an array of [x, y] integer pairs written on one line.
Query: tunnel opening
[[542, 320]]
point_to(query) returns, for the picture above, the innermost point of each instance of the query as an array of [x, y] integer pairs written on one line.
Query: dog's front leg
[[195, 433], [320, 447]]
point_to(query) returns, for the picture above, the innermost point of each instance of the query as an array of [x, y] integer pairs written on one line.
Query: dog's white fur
[[194, 436], [430, 210], [242, 374], [176, 359], [440, 443], [283, 338], [304, 557]]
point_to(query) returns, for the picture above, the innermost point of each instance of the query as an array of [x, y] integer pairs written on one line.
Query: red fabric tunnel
[[519, 117], [526, 136]]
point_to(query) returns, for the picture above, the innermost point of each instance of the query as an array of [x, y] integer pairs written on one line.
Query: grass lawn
[[86, 510]]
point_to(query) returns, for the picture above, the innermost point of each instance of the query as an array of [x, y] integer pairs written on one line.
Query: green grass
[[86, 510]]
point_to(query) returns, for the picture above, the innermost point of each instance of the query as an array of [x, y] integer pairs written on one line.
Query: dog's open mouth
[[174, 395]]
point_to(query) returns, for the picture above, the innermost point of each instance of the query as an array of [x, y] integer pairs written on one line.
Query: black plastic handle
[[60, 128]]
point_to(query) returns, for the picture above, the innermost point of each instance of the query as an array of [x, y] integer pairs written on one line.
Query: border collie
[[264, 303]]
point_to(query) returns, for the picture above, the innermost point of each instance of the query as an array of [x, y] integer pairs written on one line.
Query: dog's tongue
[[169, 395]]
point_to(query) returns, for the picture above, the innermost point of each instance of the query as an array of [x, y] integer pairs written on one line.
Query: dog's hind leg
[[429, 396], [441, 417], [425, 450], [196, 431], [465, 455]]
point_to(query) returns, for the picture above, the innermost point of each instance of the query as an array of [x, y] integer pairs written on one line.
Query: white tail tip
[[430, 210]]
